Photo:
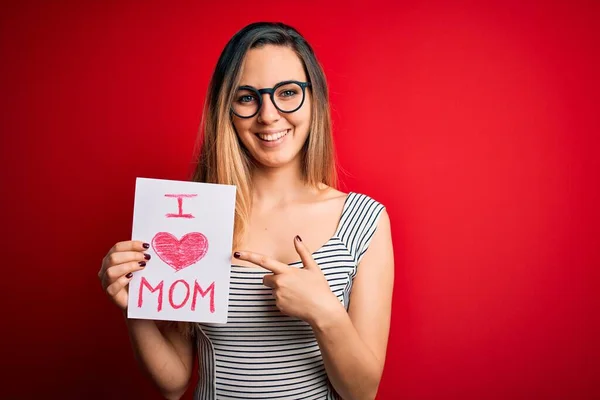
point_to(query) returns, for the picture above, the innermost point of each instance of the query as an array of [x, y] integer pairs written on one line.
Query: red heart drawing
[[180, 254]]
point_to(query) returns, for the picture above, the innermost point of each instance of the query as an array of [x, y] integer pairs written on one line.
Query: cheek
[[243, 130], [302, 118], [241, 125]]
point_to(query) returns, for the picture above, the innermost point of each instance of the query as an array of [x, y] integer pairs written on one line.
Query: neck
[[273, 187]]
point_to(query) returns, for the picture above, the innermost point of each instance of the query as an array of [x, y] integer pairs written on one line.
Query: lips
[[271, 137]]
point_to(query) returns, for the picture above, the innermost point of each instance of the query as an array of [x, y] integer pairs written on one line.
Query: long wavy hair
[[222, 157]]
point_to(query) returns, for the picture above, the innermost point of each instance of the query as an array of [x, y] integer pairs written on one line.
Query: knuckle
[[262, 260], [112, 258], [110, 290], [113, 290], [111, 274]]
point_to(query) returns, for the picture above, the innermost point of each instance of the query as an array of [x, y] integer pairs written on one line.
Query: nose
[[268, 113]]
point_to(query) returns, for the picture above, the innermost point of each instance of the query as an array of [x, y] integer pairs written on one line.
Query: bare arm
[[354, 344], [164, 354]]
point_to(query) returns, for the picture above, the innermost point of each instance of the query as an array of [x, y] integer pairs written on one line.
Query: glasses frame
[[271, 92]]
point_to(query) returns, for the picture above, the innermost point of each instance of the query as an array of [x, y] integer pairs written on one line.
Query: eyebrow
[[285, 80]]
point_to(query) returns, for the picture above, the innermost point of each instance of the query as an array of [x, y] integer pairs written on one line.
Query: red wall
[[476, 125]]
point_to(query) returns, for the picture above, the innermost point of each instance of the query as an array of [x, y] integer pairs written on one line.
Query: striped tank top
[[261, 353]]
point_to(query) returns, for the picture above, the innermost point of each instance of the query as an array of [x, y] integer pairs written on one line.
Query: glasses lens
[[245, 102], [288, 97]]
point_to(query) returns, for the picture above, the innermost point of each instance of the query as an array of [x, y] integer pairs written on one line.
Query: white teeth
[[273, 136]]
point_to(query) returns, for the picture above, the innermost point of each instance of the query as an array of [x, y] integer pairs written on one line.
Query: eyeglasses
[[287, 97]]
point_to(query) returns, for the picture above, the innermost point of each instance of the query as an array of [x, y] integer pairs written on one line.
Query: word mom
[[178, 286]]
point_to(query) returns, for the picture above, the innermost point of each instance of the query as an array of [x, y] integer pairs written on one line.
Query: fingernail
[[146, 246], [298, 238], [142, 263], [129, 275], [147, 256], [237, 254]]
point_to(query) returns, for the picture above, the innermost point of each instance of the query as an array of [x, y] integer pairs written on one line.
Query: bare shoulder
[[371, 294], [328, 193], [384, 223]]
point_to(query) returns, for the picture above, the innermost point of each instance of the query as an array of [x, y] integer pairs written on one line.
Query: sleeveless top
[[261, 353]]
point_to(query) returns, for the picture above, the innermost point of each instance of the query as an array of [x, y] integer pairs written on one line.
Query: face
[[273, 138]]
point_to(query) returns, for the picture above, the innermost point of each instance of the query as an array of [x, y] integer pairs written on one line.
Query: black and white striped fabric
[[261, 353]]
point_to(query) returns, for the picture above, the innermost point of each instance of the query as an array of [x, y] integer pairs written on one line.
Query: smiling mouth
[[272, 136]]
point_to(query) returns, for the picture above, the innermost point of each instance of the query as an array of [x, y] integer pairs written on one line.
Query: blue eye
[[245, 99]]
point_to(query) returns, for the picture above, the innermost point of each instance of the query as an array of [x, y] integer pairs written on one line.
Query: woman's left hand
[[303, 293]]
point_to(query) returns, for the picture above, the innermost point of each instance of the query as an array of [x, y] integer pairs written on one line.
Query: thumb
[[305, 255]]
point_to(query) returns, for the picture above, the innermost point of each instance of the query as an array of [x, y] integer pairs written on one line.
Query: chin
[[276, 162]]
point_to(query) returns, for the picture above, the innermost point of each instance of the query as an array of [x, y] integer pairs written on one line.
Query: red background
[[476, 125]]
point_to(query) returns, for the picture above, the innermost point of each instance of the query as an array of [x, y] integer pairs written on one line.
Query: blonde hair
[[223, 159]]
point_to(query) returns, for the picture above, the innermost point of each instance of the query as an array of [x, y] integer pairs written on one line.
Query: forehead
[[268, 65]]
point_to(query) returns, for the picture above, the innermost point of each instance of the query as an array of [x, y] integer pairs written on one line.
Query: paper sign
[[189, 227]]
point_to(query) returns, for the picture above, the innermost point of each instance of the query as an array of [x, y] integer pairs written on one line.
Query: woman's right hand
[[117, 269]]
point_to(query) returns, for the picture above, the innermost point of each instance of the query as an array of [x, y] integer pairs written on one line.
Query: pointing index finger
[[261, 260], [307, 259]]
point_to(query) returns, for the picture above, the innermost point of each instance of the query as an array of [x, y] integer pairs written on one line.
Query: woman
[[312, 273]]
